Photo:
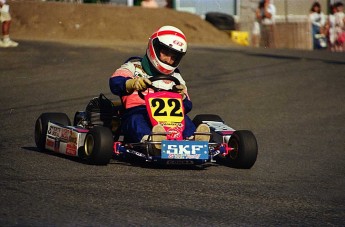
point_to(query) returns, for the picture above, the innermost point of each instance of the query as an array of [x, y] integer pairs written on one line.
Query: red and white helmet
[[171, 39]]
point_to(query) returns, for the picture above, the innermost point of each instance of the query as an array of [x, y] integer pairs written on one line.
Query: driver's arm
[[123, 82], [117, 82], [188, 105]]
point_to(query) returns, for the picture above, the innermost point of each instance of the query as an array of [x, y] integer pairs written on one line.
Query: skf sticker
[[172, 149]]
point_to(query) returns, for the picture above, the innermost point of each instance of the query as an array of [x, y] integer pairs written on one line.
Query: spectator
[[169, 4], [330, 28], [256, 32], [149, 4], [318, 21], [339, 27], [266, 17], [5, 19]]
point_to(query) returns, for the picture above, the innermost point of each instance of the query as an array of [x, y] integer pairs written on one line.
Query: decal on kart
[[220, 127], [71, 148], [64, 140], [50, 143], [166, 108], [54, 130], [65, 134], [172, 149]]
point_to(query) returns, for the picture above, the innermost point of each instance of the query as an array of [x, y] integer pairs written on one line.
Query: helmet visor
[[162, 49]]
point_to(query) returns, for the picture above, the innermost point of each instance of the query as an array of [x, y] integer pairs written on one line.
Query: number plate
[[172, 149], [166, 108]]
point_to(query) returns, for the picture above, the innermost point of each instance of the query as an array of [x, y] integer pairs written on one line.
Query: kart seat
[[100, 111]]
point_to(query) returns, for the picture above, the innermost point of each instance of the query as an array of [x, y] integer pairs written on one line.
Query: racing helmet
[[171, 40]]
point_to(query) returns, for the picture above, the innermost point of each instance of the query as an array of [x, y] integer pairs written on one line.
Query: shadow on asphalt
[[130, 162], [71, 158]]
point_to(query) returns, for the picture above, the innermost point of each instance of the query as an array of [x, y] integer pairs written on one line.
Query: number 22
[[171, 103]]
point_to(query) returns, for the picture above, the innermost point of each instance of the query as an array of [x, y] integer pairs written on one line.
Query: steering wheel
[[159, 77]]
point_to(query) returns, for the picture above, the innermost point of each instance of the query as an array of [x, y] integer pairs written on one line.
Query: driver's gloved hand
[[137, 84], [180, 89]]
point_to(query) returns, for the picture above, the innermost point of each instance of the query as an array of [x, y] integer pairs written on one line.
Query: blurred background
[[236, 17]]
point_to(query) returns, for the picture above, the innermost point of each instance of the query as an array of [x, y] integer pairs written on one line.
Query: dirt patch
[[103, 24]]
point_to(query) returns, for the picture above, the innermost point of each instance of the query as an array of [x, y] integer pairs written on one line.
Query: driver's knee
[[135, 127]]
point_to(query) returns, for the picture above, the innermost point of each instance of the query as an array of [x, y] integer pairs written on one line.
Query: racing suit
[[135, 121]]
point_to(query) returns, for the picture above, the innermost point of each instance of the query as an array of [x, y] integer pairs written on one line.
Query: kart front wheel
[[98, 146], [244, 150], [41, 126]]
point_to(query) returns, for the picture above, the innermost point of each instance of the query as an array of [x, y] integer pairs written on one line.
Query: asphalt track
[[293, 101]]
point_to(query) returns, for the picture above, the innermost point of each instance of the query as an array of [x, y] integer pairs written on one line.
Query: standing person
[[166, 48], [5, 19], [256, 32], [318, 21], [170, 4], [266, 16], [339, 27], [330, 28]]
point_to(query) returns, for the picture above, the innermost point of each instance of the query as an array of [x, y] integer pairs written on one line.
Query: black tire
[[221, 21], [245, 150], [41, 126], [98, 146], [198, 119]]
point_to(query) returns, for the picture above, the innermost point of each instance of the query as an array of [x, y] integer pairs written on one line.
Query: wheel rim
[[233, 154], [89, 144]]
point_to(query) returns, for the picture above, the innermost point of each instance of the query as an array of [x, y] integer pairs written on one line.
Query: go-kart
[[96, 135]]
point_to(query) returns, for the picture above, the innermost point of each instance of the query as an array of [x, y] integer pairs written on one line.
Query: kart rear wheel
[[198, 119], [244, 150], [98, 146], [41, 126]]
